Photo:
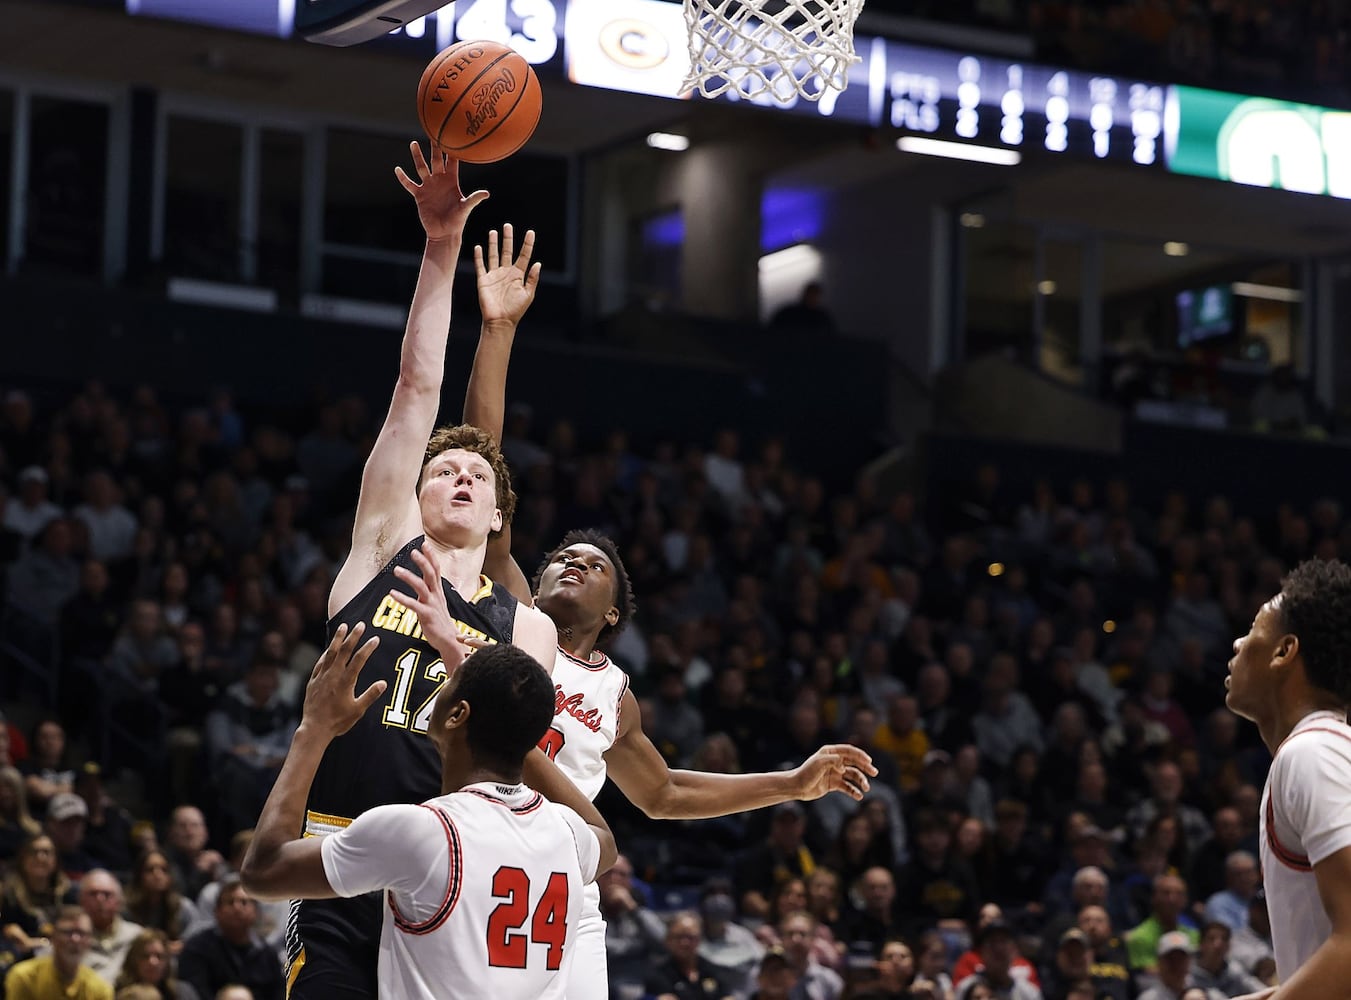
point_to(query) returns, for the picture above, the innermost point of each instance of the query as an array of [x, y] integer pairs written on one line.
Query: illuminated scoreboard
[[641, 47], [996, 101]]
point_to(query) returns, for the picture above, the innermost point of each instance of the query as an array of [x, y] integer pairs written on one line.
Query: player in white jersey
[[583, 586], [1291, 674], [484, 883]]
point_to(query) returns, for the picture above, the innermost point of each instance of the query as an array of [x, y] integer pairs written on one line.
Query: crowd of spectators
[[1270, 47], [1063, 810]]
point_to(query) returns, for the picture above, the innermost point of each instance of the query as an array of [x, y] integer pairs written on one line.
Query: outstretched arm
[[643, 776], [506, 288], [387, 512], [280, 864]]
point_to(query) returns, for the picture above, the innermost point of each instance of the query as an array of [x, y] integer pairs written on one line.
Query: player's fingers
[[527, 249], [853, 776], [431, 577], [532, 277], [350, 642], [852, 755], [370, 696], [493, 257], [422, 611], [409, 601], [830, 757], [409, 185], [474, 200], [363, 653], [331, 652], [419, 161], [431, 572], [475, 642], [855, 756], [508, 243], [406, 575], [479, 267]]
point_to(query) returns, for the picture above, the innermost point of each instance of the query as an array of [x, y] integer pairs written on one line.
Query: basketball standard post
[[351, 22], [785, 49]]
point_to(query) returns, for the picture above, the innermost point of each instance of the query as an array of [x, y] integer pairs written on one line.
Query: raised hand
[[839, 767], [441, 206], [428, 601], [506, 287], [331, 704]]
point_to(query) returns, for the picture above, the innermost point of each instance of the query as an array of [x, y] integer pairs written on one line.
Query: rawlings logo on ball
[[484, 101]]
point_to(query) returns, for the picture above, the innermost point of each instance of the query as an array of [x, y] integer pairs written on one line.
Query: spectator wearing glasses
[[60, 974]]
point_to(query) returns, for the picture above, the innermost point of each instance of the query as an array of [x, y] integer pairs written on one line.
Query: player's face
[[1248, 668], [581, 575], [459, 493]]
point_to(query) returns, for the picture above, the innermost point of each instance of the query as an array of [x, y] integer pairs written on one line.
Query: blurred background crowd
[[1064, 808]]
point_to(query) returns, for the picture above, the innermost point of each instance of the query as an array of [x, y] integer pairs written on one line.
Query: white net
[[784, 49]]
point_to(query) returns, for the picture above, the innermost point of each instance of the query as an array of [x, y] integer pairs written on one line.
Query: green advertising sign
[[1259, 141]]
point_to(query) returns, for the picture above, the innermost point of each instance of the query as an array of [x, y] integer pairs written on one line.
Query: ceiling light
[[668, 140], [1175, 249], [1046, 287], [973, 220], [959, 150], [1274, 293], [799, 255]]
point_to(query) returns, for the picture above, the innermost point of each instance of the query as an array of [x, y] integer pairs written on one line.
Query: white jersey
[[587, 697], [484, 890], [1306, 817]]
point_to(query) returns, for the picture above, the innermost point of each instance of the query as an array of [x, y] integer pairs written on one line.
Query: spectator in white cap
[[30, 511], [67, 819], [1174, 975]]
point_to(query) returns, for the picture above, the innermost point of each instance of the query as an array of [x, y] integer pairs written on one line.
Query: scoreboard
[[641, 46], [1002, 102]]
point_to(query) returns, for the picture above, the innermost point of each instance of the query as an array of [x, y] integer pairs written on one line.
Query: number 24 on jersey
[[508, 946]]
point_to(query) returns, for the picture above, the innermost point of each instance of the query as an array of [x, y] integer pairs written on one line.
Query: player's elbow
[[609, 850], [414, 382], [661, 802], [262, 878]]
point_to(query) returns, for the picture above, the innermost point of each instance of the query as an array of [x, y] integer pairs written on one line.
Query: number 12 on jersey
[[508, 947]]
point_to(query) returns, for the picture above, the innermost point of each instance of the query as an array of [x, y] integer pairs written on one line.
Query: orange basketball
[[479, 101]]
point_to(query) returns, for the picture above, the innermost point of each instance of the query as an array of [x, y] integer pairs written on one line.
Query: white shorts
[[589, 978]]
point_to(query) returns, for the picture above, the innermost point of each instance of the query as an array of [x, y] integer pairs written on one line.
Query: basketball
[[479, 101]]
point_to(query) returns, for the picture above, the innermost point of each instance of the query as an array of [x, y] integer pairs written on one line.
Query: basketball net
[[786, 49]]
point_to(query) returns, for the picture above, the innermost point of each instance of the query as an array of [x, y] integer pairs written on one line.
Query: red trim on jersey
[[453, 880], [587, 664], [521, 810], [1344, 732], [530, 806], [1287, 857], [619, 702]]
